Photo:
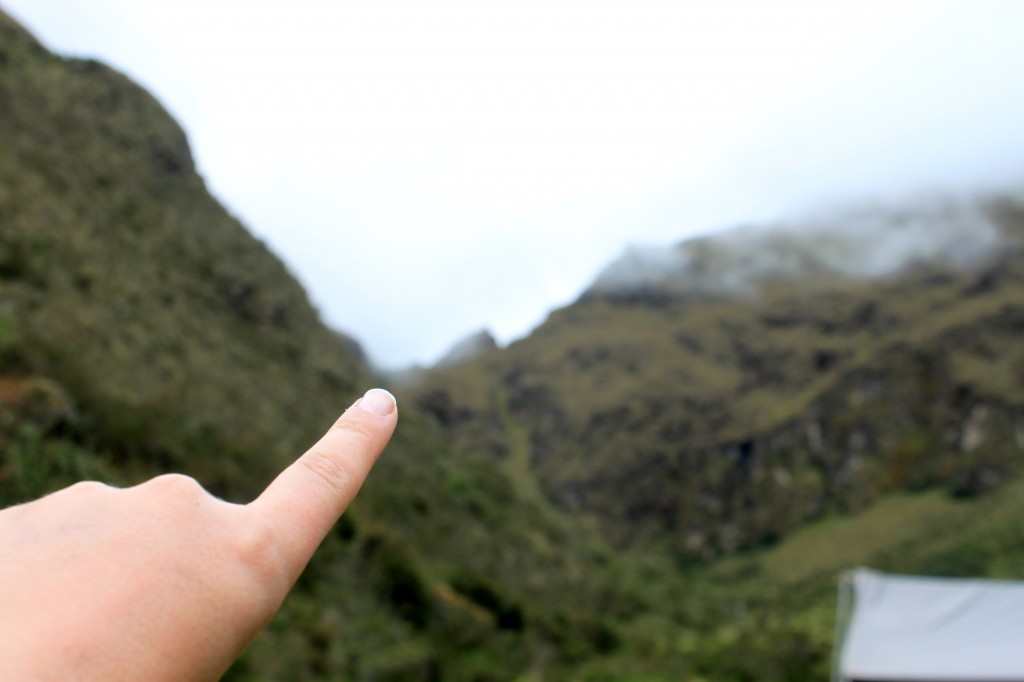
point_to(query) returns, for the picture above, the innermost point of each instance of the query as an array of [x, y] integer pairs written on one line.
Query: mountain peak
[[469, 348]]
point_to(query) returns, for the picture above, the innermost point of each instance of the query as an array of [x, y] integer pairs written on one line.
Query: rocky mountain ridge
[[757, 382]]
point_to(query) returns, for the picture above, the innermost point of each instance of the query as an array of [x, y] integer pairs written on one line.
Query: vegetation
[[653, 486], [717, 422]]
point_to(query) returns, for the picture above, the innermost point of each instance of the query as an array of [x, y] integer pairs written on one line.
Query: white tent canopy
[[929, 629]]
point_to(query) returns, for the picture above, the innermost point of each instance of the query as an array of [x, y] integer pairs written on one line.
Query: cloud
[[860, 242]]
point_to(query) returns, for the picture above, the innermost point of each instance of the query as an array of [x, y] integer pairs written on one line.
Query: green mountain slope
[[794, 416], [127, 283], [722, 404]]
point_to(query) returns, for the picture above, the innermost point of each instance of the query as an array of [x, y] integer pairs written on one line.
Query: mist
[[860, 242]]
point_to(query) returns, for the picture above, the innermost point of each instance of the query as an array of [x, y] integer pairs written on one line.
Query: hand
[[162, 581]]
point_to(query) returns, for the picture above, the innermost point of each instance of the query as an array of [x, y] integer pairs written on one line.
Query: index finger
[[305, 500]]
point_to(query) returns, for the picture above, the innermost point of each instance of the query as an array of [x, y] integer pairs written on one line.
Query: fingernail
[[379, 402]]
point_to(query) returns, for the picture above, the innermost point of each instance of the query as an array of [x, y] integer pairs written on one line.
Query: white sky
[[430, 168]]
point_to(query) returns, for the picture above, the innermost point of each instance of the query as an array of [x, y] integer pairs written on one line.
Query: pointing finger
[[302, 504]]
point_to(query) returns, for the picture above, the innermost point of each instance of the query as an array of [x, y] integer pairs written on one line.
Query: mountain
[[466, 349], [124, 280], [721, 393], [766, 408]]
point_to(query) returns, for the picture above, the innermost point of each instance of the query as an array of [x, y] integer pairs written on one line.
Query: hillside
[[723, 393]]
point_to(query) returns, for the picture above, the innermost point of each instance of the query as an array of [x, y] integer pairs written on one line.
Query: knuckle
[[253, 545], [90, 487], [178, 485], [86, 491], [257, 550], [328, 468], [356, 432]]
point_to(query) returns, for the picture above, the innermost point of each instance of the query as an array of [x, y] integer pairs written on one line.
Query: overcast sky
[[430, 168]]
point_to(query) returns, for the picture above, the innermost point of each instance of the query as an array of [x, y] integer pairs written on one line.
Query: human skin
[[162, 581]]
